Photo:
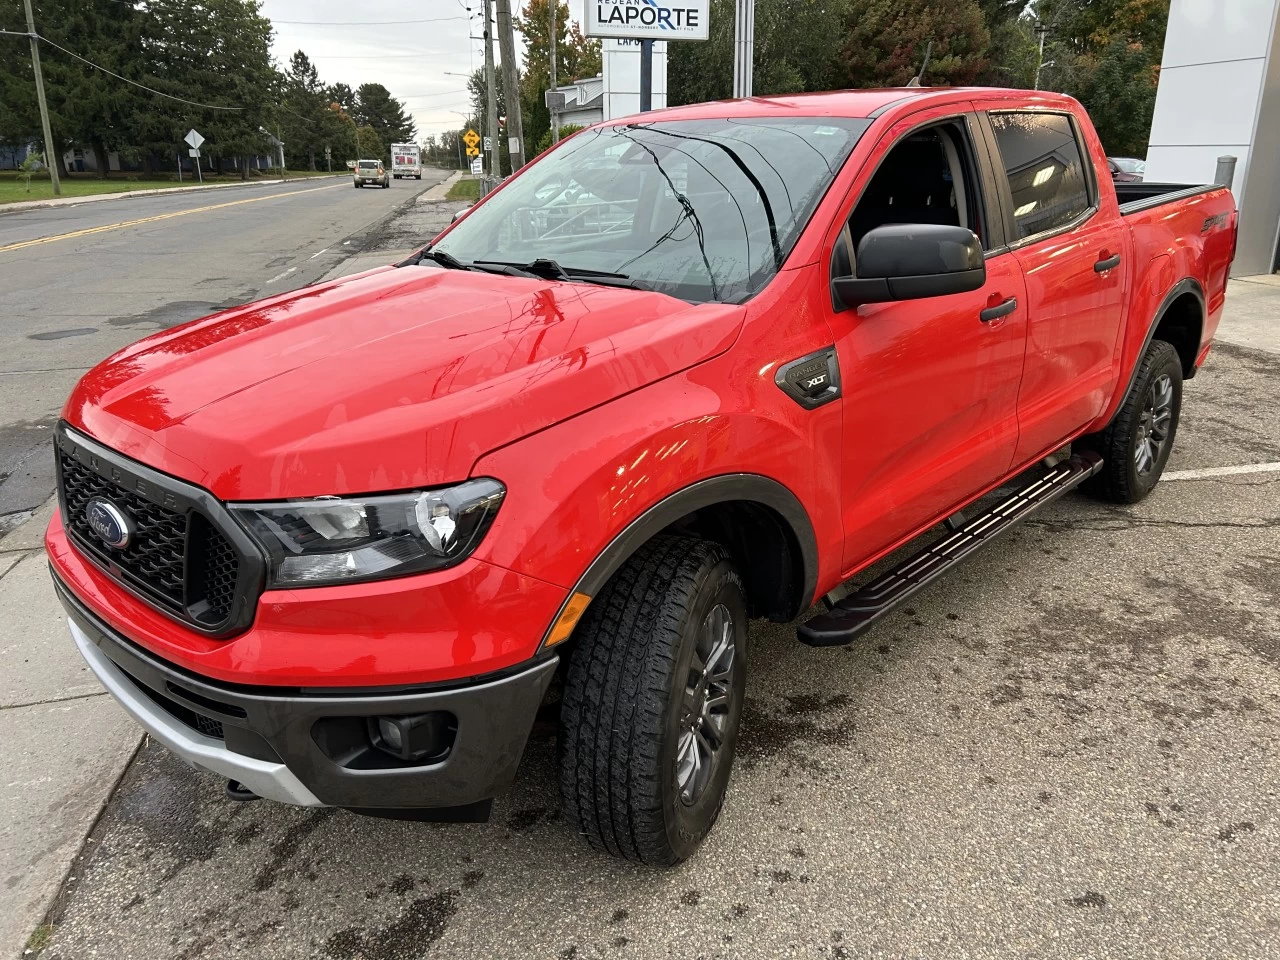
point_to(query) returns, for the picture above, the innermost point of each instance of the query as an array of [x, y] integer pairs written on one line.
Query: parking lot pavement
[[1066, 749]]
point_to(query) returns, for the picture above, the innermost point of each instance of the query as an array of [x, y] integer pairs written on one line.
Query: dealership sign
[[648, 19]]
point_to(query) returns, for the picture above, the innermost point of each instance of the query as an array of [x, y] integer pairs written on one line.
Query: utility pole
[[555, 111], [744, 41], [646, 75], [495, 166], [50, 158], [515, 131], [1041, 30]]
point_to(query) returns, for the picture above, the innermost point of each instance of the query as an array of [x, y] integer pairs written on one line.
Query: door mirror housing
[[909, 261]]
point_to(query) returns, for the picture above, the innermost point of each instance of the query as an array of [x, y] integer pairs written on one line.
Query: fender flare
[[1188, 285], [705, 493]]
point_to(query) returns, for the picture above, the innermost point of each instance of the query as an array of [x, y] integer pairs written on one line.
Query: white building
[[583, 102], [1219, 95]]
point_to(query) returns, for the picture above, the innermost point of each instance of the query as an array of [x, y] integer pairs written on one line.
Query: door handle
[[1102, 266], [999, 310]]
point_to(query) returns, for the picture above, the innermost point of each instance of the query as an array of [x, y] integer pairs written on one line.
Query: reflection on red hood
[[395, 379]]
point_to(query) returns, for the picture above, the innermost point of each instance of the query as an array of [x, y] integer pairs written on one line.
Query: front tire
[[652, 701], [1135, 446]]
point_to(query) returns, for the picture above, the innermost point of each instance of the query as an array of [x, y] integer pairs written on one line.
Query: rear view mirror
[[909, 261]]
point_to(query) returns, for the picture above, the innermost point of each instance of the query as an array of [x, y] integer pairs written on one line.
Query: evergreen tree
[[375, 107]]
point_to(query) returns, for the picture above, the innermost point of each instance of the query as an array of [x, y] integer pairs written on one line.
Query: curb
[[154, 191], [437, 193]]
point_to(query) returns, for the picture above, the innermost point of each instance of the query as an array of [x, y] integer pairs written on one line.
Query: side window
[[1042, 159], [929, 176]]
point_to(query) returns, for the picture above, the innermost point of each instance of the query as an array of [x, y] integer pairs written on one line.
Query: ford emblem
[[109, 522]]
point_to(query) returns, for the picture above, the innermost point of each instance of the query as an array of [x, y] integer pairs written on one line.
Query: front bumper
[[311, 747]]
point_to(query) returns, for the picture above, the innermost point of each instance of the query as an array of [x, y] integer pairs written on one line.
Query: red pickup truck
[[689, 368]]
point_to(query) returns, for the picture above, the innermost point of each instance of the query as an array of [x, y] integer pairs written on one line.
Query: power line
[[143, 86], [138, 4], [359, 23]]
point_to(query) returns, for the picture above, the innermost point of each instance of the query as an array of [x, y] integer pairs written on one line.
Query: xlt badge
[[813, 380]]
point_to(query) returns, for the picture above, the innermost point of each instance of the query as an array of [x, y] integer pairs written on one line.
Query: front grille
[[157, 558], [178, 557]]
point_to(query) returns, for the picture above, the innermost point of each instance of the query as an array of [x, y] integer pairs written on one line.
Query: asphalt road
[[1065, 750], [79, 282]]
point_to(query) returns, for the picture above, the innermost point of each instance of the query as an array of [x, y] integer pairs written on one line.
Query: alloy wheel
[[706, 704], [1154, 424]]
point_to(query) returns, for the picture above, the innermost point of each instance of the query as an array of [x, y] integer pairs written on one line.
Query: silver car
[[371, 172]]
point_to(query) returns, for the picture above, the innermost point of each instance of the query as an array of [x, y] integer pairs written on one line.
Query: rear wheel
[[1135, 446], [652, 702]]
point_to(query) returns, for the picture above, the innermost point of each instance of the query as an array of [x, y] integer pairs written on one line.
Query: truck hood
[[393, 379]]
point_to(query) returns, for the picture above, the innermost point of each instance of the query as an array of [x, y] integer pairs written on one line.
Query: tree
[[369, 145], [376, 107], [1107, 54], [343, 96], [303, 109], [565, 131], [219, 53], [796, 50], [577, 57], [885, 42]]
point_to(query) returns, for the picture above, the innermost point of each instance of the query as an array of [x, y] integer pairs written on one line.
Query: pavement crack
[[45, 703]]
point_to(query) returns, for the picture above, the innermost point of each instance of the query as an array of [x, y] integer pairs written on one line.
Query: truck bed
[[1143, 195]]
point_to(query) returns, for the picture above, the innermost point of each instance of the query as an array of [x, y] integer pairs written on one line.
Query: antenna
[[917, 80]]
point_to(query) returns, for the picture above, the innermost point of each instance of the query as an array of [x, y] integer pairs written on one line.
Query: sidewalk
[[64, 743], [154, 191], [441, 189]]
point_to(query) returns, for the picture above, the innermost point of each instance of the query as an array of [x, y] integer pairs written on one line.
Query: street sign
[[470, 138], [477, 167], [513, 145], [193, 139], [327, 153], [194, 152], [488, 144], [648, 19], [473, 151], [555, 99]]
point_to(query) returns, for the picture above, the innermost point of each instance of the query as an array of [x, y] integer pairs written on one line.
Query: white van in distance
[[406, 161]]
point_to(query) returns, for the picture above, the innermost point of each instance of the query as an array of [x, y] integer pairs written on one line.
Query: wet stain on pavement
[[767, 735], [422, 924], [286, 848], [171, 314], [63, 334]]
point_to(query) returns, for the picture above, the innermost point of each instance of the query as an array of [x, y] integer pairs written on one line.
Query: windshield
[[700, 209], [368, 164], [1129, 165]]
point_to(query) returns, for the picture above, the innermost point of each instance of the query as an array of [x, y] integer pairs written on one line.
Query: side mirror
[[909, 261]]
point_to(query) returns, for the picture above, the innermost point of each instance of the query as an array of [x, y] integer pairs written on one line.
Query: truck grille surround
[[184, 554]]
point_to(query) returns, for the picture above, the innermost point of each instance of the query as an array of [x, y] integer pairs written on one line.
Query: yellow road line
[[162, 216]]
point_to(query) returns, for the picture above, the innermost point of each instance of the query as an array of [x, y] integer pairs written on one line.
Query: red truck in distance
[[687, 369]]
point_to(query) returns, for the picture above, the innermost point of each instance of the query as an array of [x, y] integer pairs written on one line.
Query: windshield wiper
[[549, 269], [446, 260]]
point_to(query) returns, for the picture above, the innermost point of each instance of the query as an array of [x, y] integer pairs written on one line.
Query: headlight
[[339, 540]]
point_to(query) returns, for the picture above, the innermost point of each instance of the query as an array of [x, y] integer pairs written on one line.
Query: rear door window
[[1045, 166]]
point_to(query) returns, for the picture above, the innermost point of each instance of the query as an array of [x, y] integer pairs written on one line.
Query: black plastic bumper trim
[[494, 721]]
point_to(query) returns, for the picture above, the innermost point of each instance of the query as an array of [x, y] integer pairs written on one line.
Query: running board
[[854, 614]]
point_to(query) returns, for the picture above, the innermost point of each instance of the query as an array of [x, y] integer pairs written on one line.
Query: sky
[[414, 60]]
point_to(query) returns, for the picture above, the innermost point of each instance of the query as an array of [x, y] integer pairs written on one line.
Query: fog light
[[390, 734], [421, 738]]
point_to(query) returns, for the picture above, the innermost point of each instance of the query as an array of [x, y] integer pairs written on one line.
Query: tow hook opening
[[239, 792]]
